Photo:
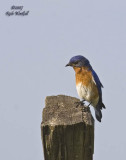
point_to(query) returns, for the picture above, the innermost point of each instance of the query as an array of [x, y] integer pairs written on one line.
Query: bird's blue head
[[78, 61]]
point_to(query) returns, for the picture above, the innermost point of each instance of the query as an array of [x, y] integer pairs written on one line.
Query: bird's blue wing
[[100, 104], [98, 83]]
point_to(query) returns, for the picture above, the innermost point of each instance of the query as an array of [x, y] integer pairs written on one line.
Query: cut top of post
[[62, 110]]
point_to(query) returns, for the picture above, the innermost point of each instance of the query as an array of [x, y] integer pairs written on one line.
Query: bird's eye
[[76, 62]]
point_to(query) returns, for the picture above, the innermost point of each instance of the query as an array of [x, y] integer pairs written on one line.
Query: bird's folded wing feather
[[98, 84]]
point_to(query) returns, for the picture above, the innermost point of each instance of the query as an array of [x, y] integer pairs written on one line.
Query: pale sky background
[[33, 53]]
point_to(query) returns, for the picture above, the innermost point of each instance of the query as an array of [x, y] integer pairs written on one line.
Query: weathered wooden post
[[67, 132]]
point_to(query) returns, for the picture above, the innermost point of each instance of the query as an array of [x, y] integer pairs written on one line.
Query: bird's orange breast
[[83, 75]]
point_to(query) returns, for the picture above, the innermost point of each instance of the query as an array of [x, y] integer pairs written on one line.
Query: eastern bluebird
[[88, 84]]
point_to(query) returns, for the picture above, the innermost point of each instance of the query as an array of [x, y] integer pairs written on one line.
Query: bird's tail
[[98, 113]]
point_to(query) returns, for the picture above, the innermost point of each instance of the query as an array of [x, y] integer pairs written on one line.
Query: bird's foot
[[89, 104], [85, 109], [80, 103]]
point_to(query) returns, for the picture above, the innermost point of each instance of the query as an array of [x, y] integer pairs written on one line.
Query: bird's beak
[[67, 65]]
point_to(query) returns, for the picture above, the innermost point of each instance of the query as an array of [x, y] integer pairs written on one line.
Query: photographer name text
[[17, 11]]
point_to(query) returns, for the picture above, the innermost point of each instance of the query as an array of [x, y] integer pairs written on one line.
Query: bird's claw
[[80, 103], [85, 109]]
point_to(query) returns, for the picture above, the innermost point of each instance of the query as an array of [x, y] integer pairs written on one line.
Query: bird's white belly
[[83, 92], [86, 93]]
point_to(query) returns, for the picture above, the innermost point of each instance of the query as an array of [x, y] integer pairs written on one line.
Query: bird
[[88, 84]]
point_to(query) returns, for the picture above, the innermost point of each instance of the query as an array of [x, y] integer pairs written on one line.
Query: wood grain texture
[[67, 134]]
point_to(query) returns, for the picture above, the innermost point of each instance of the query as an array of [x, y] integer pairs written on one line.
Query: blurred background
[[33, 54]]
